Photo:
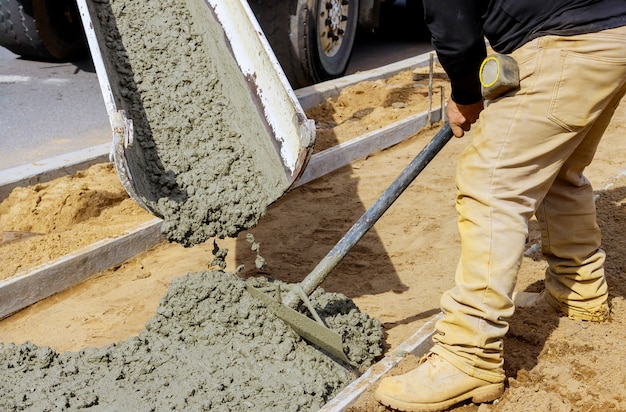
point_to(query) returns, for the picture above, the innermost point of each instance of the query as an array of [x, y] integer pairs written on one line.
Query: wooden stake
[[430, 90], [442, 108]]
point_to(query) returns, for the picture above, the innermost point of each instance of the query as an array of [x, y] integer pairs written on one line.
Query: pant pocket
[[585, 84]]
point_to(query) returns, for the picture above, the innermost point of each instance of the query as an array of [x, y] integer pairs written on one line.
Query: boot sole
[[483, 394]]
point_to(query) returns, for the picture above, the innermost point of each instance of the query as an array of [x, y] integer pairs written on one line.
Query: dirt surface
[[396, 273], [64, 215]]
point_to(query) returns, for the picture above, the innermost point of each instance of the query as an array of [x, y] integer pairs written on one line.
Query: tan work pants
[[527, 156]]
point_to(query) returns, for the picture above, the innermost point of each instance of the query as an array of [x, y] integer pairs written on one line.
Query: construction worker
[[527, 154]]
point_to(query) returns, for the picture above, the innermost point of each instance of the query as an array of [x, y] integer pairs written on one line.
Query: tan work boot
[[434, 385], [544, 299]]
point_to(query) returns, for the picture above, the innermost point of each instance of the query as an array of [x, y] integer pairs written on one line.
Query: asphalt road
[[48, 109]]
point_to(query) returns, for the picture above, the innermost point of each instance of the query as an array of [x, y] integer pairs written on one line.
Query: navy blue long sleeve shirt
[[459, 27]]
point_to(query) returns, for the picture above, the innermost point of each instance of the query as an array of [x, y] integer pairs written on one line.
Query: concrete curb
[[51, 168]]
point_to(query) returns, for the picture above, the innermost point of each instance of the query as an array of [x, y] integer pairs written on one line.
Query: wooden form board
[[419, 343], [53, 277], [52, 168], [313, 95], [360, 147]]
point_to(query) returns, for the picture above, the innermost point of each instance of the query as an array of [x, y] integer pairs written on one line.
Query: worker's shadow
[[530, 328], [300, 228]]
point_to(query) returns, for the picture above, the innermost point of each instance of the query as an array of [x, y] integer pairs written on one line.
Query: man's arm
[[456, 28]]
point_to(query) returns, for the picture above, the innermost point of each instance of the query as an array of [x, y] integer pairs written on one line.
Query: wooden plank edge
[[360, 147], [51, 168], [55, 276], [313, 95], [419, 343]]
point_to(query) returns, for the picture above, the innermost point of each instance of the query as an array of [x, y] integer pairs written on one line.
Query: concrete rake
[[315, 331]]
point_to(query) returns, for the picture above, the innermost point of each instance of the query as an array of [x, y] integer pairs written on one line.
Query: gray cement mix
[[206, 163], [208, 170], [210, 346]]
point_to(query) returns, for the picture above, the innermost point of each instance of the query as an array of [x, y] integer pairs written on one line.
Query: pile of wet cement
[[211, 345], [205, 162]]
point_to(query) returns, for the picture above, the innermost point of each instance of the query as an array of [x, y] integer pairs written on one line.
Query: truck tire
[[312, 43], [42, 29]]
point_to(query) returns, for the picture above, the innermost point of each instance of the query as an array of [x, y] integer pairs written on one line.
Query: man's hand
[[462, 116]]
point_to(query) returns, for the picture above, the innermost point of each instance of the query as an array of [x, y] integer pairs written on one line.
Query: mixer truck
[[312, 39]]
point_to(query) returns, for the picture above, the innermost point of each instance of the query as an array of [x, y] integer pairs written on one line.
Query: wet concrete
[[210, 345], [206, 164]]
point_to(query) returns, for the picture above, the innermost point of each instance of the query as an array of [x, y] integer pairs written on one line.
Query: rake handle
[[371, 216]]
